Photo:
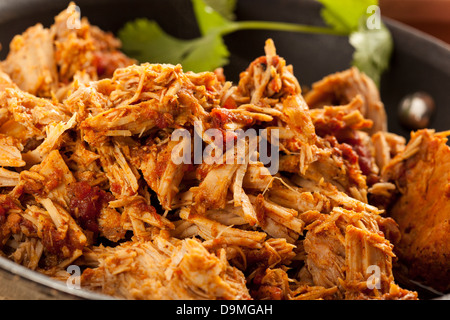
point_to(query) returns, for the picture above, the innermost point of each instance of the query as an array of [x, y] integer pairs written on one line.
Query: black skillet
[[419, 63]]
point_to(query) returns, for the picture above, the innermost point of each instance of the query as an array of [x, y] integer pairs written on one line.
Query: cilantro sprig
[[373, 47], [146, 41]]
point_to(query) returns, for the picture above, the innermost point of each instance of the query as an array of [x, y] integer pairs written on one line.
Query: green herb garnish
[[144, 40]]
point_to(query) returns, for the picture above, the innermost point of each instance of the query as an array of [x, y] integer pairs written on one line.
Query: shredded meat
[[45, 61], [88, 176], [422, 210], [342, 87]]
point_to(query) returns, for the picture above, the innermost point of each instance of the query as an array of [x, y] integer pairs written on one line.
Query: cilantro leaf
[[209, 53], [224, 7], [145, 41], [208, 19], [373, 48], [344, 15]]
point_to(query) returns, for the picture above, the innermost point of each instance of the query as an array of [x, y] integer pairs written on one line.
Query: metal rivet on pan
[[416, 110]]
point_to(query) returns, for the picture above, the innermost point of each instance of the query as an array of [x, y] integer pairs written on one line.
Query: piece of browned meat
[[347, 250], [44, 61], [166, 269], [422, 173], [341, 88]]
